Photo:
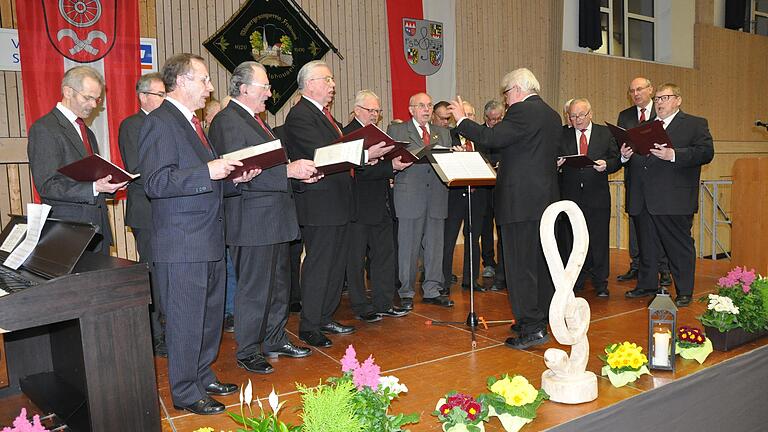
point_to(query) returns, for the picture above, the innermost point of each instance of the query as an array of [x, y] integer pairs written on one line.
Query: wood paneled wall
[[493, 37]]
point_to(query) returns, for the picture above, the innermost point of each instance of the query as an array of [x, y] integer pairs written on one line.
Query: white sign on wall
[[10, 60]]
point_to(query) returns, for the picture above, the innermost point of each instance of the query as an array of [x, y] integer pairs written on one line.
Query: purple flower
[[349, 361], [367, 375]]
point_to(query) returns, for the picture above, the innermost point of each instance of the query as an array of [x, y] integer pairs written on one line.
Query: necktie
[[200, 133], [84, 134], [425, 135], [263, 126], [642, 115], [469, 145], [328, 115], [583, 142]]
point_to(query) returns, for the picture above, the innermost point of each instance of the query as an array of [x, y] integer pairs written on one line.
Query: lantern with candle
[[662, 325]]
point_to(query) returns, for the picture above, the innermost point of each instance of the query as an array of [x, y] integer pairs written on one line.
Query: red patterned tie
[[583, 142], [328, 115], [84, 135], [642, 115], [263, 126], [424, 135], [469, 145], [200, 133]]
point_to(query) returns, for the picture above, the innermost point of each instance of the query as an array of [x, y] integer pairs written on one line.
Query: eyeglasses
[[579, 116], [88, 98], [422, 106], [204, 79], [158, 94], [637, 90], [663, 98], [327, 79], [507, 90], [264, 86], [370, 110]]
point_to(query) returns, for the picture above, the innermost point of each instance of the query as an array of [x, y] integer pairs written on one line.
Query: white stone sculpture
[[566, 380]]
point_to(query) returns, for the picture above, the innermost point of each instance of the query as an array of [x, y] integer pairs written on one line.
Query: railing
[[712, 217]]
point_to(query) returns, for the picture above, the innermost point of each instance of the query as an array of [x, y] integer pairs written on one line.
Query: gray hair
[[74, 77], [567, 105], [492, 105], [522, 78], [145, 81], [365, 94], [305, 70], [243, 74], [580, 100]]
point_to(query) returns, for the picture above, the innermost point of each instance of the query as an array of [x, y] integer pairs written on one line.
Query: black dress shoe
[[334, 327], [443, 301], [218, 388], [315, 338], [445, 290], [528, 340], [229, 323], [256, 363], [629, 275], [207, 406], [454, 278], [515, 327], [406, 303], [478, 287], [294, 307], [665, 279], [161, 350], [683, 300], [370, 317], [495, 287], [289, 350], [395, 312], [636, 293], [603, 292]]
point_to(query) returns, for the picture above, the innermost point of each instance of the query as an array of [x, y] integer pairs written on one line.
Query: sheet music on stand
[[463, 169], [37, 214]]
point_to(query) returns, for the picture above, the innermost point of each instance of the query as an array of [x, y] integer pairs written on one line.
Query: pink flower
[[367, 375], [21, 424], [747, 277], [349, 361]]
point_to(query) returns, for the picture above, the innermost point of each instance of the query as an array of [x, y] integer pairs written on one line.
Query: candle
[[661, 348]]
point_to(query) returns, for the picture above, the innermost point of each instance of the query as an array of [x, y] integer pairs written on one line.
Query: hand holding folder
[[642, 138]]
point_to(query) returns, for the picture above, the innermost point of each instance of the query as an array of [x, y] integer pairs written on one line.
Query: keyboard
[[11, 282]]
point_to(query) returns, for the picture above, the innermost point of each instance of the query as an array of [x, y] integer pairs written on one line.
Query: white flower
[[722, 304], [392, 383], [273, 401], [248, 393]]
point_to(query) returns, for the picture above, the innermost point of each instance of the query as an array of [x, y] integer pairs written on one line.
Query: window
[[628, 28], [760, 17]]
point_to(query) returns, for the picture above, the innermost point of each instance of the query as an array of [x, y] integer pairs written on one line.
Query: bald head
[[641, 90]]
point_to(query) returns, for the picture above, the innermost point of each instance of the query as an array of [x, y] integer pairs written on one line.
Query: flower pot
[[726, 341]]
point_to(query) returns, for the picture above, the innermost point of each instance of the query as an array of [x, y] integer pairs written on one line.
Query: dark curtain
[[736, 14], [589, 24]]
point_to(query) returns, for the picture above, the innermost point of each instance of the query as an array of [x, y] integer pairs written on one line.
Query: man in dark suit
[[184, 180], [372, 226], [260, 223], [60, 138], [421, 203], [138, 213], [664, 195], [324, 209], [493, 112], [588, 187], [526, 184], [640, 90]]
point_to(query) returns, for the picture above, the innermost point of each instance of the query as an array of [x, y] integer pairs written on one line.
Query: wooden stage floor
[[432, 360]]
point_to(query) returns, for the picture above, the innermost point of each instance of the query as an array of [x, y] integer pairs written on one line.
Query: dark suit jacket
[[53, 143], [187, 207], [672, 188], [371, 189], [329, 201], [528, 138], [138, 211], [628, 119], [264, 212], [585, 185]]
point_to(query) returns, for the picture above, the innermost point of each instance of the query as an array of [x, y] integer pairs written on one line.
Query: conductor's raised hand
[[104, 186], [301, 169], [456, 108], [221, 168]]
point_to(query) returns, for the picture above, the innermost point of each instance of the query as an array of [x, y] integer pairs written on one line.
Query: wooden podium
[[749, 234], [80, 346]]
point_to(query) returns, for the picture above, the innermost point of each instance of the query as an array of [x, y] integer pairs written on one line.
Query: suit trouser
[[597, 261], [487, 242], [144, 246], [378, 240], [261, 299], [295, 248], [529, 284], [452, 226], [322, 274], [412, 236], [193, 301], [674, 232], [634, 250]]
